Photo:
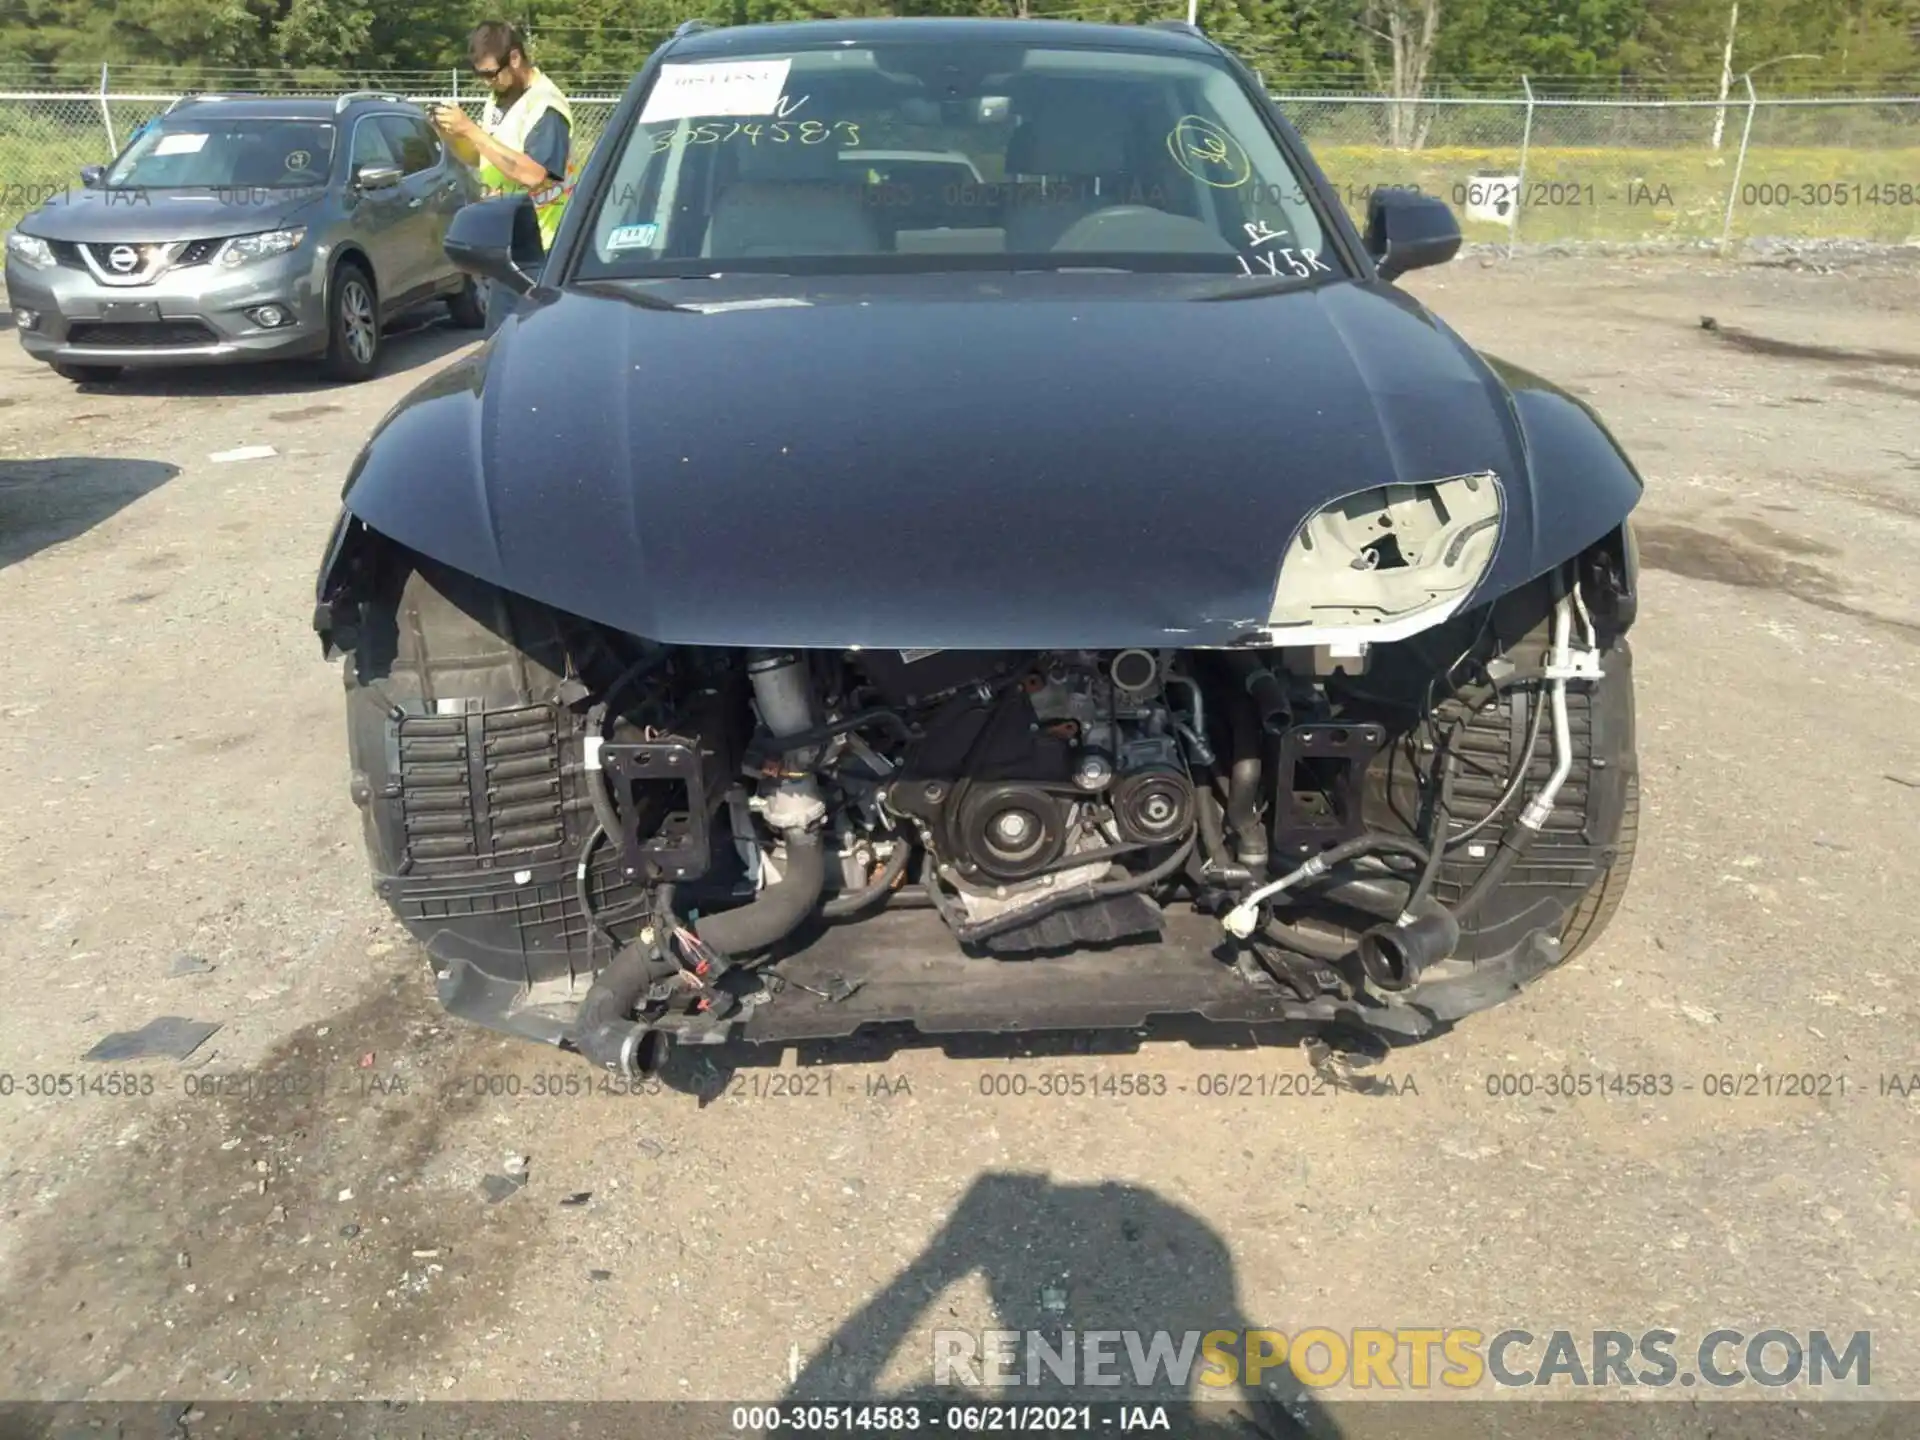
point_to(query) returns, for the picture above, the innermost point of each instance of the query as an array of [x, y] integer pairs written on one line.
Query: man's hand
[[454, 123], [472, 144], [460, 132]]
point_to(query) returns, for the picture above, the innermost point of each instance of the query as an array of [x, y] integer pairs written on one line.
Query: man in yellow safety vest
[[524, 142]]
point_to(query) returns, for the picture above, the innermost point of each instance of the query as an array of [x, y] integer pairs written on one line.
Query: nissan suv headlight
[[30, 250], [1382, 564], [243, 248]]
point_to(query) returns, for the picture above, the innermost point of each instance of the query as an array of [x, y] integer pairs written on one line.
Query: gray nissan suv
[[236, 228]]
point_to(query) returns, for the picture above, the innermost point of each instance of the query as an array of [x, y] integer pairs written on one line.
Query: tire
[[1597, 907], [468, 306], [87, 374], [353, 326]]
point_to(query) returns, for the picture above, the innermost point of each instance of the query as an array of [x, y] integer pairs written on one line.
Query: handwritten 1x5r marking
[[1296, 265]]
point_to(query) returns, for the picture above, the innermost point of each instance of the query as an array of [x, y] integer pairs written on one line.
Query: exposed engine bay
[[1343, 821], [610, 844]]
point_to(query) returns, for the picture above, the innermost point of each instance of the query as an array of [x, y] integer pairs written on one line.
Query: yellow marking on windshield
[[1208, 153]]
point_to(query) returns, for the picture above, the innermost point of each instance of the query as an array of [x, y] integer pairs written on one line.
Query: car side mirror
[[378, 177], [498, 240], [91, 175], [1408, 231]]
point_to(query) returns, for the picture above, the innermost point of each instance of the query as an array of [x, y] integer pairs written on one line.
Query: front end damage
[[1389, 808]]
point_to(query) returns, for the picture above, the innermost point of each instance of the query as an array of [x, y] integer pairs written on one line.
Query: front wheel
[[87, 374], [353, 327]]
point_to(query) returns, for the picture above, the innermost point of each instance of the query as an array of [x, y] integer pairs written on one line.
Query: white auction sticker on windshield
[[632, 237], [179, 144], [730, 87]]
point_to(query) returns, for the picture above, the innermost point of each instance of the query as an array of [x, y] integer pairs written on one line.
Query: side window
[[416, 146], [370, 145]]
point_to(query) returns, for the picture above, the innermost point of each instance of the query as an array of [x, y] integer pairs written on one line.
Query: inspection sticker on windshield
[[632, 237], [731, 87], [180, 145]]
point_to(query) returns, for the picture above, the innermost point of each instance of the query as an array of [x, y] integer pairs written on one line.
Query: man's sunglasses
[[487, 74]]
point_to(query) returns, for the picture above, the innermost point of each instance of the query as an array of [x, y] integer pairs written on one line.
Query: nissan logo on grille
[[123, 258]]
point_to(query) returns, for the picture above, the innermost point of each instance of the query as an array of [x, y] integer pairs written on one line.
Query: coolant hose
[[1314, 947], [1243, 788], [1213, 839], [777, 910], [852, 902], [1244, 918], [1386, 896], [604, 1029], [1394, 956], [1269, 692]]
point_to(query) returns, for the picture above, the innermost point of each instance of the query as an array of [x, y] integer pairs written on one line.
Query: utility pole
[[1193, 12], [1726, 75]]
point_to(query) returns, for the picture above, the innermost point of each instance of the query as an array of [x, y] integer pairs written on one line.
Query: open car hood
[[1039, 462]]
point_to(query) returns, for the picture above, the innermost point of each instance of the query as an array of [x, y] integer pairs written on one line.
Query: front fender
[[434, 430], [1584, 486]]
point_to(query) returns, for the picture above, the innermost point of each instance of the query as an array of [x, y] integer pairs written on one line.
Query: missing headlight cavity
[[1382, 554], [1389, 554]]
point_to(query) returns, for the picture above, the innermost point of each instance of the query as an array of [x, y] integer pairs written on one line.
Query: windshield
[[188, 152], [928, 156]]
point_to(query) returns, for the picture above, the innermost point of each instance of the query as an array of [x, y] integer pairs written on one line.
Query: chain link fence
[[1538, 169], [47, 136], [1524, 169]]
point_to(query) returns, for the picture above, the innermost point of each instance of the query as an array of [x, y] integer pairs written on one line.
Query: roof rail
[[212, 95], [347, 99], [691, 27]]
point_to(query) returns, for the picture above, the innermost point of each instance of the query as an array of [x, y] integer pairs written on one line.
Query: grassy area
[[1625, 195], [1571, 194], [39, 158]]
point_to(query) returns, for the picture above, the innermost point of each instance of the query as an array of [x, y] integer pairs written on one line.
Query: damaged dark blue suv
[[1056, 586]]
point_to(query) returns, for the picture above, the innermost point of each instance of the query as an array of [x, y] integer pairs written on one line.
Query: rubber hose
[[1512, 845], [1376, 895], [639, 669], [777, 910], [890, 719], [1213, 839], [1374, 843], [1314, 947], [604, 1029], [1396, 955], [602, 796], [1243, 787], [1442, 817], [852, 902], [1268, 692]]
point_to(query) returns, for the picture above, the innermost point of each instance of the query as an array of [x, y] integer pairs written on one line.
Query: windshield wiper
[[1254, 289]]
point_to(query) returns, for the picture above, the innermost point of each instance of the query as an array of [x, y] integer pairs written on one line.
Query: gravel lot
[[174, 765]]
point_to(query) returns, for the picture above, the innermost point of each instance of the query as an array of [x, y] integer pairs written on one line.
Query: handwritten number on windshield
[[780, 132]]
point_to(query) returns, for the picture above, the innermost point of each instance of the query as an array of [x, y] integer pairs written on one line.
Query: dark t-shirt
[[547, 143]]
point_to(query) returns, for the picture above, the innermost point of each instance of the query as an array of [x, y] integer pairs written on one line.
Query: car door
[[379, 216], [434, 192]]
